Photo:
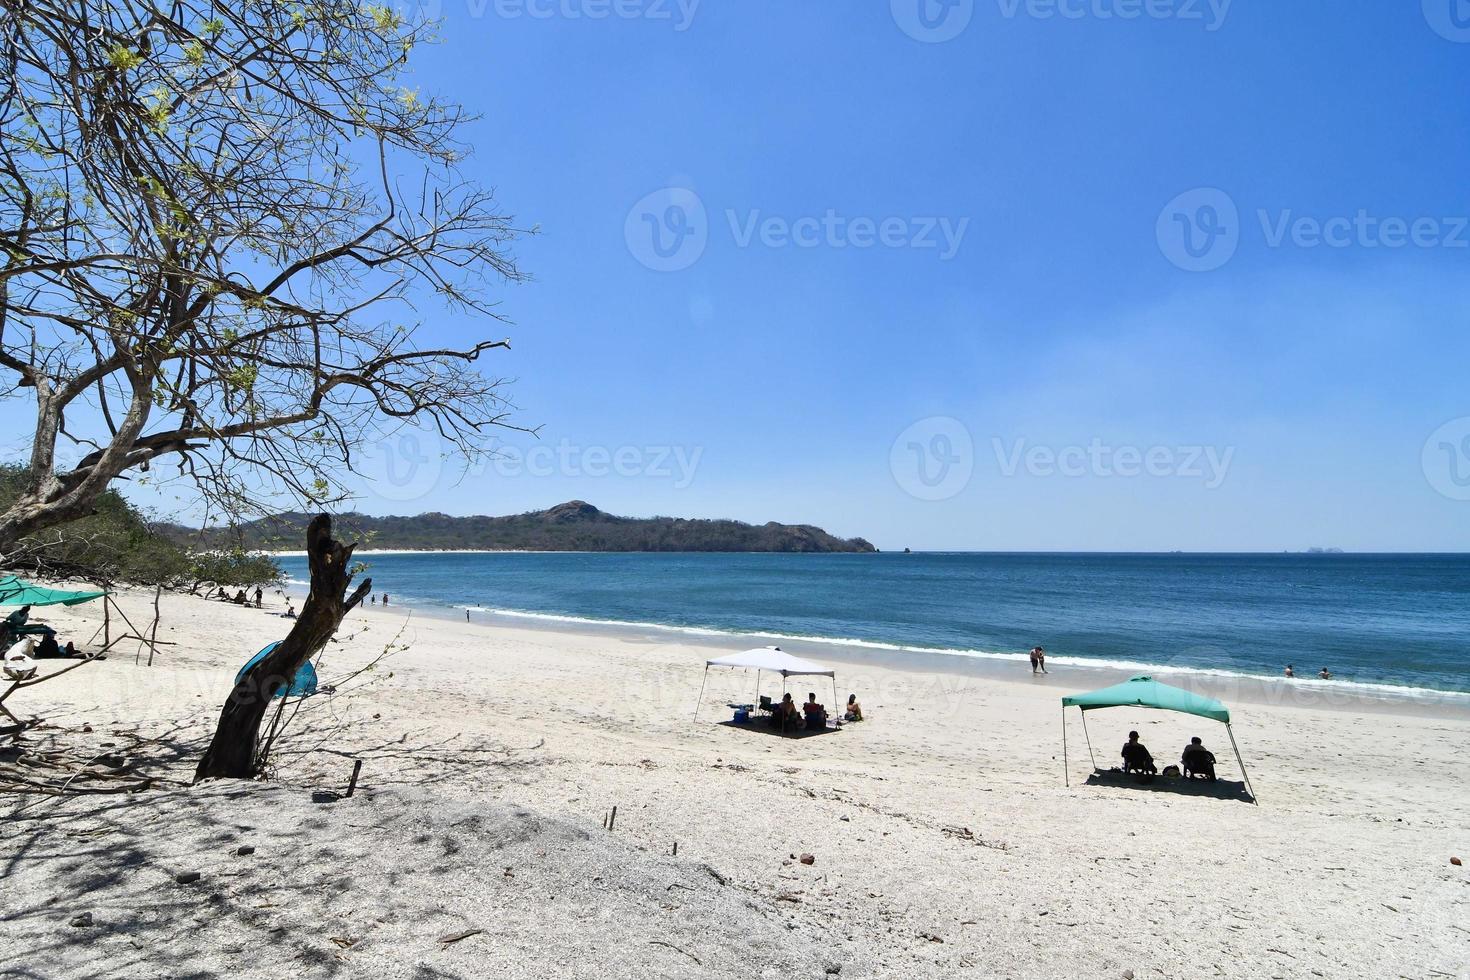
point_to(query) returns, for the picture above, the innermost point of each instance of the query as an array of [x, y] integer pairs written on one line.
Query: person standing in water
[[1326, 674], [1289, 671], [1040, 654], [1035, 663]]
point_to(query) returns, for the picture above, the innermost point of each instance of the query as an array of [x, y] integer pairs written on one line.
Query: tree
[[232, 752], [219, 223]]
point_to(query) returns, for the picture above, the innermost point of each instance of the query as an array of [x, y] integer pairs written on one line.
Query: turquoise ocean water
[[1390, 621]]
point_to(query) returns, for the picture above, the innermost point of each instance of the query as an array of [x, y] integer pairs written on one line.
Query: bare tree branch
[[206, 251]]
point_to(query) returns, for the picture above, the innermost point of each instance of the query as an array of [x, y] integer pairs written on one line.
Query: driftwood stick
[[356, 771], [153, 634]]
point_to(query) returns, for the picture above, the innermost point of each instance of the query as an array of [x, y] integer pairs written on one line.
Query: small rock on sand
[[187, 877], [808, 859], [245, 849], [84, 919]]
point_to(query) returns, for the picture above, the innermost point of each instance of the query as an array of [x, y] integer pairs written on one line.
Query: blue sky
[[1064, 379]]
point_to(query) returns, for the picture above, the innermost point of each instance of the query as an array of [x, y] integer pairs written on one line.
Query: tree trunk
[[232, 752]]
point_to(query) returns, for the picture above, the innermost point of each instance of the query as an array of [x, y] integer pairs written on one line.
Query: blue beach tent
[[302, 685]]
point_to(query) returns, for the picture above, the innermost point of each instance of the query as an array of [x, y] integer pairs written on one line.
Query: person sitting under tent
[[816, 714], [17, 625], [1136, 757], [783, 714], [1198, 760]]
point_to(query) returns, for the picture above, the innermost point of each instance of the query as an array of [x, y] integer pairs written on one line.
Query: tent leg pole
[[701, 692], [1087, 736], [836, 705], [1066, 776], [1231, 732]]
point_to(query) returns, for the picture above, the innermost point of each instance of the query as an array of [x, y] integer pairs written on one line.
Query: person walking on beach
[[1041, 658], [1034, 661], [259, 598]]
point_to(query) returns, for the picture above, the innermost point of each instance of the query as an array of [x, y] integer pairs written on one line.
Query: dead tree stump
[[232, 751]]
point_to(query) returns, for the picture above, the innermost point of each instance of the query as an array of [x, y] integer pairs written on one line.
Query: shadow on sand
[[761, 727], [1220, 789]]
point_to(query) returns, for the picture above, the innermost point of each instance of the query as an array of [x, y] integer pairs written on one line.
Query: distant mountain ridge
[[573, 526]]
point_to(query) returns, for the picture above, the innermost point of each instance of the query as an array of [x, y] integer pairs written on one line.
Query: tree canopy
[[221, 225]]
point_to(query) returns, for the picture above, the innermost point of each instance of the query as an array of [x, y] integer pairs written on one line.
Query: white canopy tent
[[768, 659]]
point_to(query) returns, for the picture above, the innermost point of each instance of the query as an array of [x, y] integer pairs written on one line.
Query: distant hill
[[572, 526]]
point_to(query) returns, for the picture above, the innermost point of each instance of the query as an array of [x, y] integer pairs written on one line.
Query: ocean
[[1395, 623]]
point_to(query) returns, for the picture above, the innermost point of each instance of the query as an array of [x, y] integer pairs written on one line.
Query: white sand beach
[[945, 841]]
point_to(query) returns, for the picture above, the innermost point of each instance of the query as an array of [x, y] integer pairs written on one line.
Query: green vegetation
[[117, 543], [572, 526]]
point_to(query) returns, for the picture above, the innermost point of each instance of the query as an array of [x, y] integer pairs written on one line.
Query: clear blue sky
[[1288, 396]]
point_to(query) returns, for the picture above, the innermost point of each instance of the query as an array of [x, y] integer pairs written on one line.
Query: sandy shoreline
[[944, 837]]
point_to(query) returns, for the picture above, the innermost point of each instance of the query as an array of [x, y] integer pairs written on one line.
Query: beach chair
[[1201, 763]]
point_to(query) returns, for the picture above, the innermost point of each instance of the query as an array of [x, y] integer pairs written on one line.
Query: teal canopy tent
[[15, 592], [1145, 692]]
